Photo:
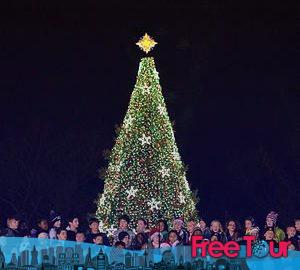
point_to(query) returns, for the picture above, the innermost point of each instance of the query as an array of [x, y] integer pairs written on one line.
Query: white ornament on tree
[[145, 89], [111, 230], [153, 205], [164, 171], [181, 198], [100, 226], [145, 139], [131, 192]]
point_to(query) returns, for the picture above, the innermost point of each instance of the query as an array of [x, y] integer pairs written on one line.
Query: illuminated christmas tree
[[145, 177]]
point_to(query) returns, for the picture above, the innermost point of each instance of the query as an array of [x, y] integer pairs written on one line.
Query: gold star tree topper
[[146, 43]]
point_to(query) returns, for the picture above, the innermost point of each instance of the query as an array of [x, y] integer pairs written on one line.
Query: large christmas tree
[[145, 177]]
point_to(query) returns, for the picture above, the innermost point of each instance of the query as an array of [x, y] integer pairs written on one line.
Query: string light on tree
[[146, 144], [128, 121], [176, 154], [161, 109]]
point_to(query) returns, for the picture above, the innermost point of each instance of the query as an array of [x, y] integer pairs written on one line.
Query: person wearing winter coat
[[216, 231], [73, 225], [55, 221], [251, 228], [139, 242], [94, 231], [156, 240], [269, 237], [233, 231], [178, 226], [271, 221], [205, 230], [163, 228], [191, 225], [297, 226], [123, 222], [12, 229], [61, 234], [292, 237], [173, 240], [125, 238], [42, 227]]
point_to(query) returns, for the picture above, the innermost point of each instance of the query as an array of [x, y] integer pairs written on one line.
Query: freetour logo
[[231, 249]]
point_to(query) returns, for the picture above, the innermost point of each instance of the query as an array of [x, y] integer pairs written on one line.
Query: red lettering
[[282, 249], [197, 244], [249, 239], [231, 249], [215, 249]]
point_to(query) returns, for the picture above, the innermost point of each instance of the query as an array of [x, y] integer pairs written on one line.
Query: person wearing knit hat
[[55, 220], [271, 221]]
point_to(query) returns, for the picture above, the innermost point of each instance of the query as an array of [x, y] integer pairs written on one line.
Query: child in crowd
[[120, 245], [251, 228], [80, 236], [204, 229], [98, 239], [178, 226], [73, 225], [139, 242], [233, 231], [94, 230], [163, 228], [156, 239], [12, 227], [42, 226], [216, 232], [123, 227], [291, 236], [142, 227], [271, 220], [297, 226], [55, 221], [173, 240], [269, 236], [191, 225], [125, 238], [61, 234]]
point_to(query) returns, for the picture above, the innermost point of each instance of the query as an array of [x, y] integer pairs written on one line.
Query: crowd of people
[[161, 235]]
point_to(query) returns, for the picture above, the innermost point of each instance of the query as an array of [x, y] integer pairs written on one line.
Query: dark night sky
[[229, 76]]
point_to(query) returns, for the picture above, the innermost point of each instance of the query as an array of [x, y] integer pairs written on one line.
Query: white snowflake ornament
[[145, 139], [181, 198], [153, 205], [164, 171], [131, 192], [111, 230]]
